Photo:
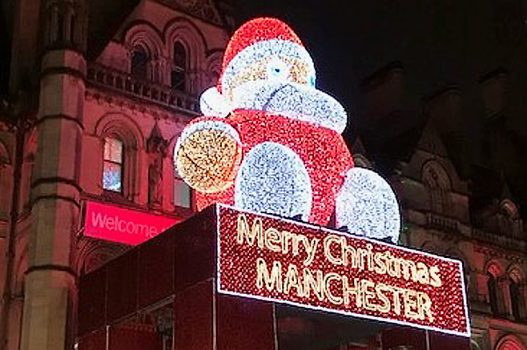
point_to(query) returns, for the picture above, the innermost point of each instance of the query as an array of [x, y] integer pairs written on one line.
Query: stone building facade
[[98, 93]]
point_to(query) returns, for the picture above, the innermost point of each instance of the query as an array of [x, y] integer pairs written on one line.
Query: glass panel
[[181, 193], [139, 63], [179, 56], [177, 80], [493, 294], [113, 150], [112, 177], [515, 300]]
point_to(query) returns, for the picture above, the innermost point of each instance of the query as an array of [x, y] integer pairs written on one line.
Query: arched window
[[437, 182], [112, 179], [139, 63], [179, 67], [509, 221], [492, 285], [6, 180], [515, 294], [510, 342]]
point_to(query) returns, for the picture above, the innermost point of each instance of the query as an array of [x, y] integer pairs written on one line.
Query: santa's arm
[[208, 154]]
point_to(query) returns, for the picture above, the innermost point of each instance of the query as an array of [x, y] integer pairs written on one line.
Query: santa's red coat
[[323, 151]]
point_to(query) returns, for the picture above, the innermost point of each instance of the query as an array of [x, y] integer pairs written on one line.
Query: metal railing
[[123, 82]]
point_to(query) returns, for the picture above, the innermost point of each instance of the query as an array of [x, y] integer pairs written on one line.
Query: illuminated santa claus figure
[[270, 142]]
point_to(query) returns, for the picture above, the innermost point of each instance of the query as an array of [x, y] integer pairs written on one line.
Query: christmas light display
[[266, 185], [367, 206], [210, 157], [284, 261], [292, 100], [270, 141]]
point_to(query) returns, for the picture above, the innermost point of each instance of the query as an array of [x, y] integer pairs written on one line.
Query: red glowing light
[[121, 225], [323, 151], [259, 29], [279, 260]]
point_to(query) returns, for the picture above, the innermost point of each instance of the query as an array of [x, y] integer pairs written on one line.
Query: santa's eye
[[277, 69], [312, 80]]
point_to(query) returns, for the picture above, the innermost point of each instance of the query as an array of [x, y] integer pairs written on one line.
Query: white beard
[[292, 100], [289, 99]]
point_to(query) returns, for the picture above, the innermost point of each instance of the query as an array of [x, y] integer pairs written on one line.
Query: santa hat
[[256, 39]]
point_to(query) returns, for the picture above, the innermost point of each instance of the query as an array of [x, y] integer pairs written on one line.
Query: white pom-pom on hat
[[212, 103]]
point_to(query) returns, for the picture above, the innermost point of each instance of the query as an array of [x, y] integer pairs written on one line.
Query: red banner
[[279, 260], [121, 225]]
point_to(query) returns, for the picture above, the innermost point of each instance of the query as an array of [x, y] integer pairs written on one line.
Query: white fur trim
[[212, 103], [292, 100]]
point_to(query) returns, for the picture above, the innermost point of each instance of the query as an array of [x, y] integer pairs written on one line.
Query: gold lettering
[[380, 263], [410, 304], [291, 281], [368, 294], [347, 291], [350, 254], [408, 269], [328, 241], [422, 273], [327, 288], [435, 280], [380, 289], [311, 249], [270, 280], [425, 306], [273, 240], [251, 236], [315, 284], [396, 300], [287, 237]]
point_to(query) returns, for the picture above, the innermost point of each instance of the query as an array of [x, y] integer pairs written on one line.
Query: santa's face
[[267, 68], [273, 68], [282, 82]]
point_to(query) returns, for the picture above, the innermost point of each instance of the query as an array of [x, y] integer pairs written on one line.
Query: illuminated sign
[[121, 225], [279, 260]]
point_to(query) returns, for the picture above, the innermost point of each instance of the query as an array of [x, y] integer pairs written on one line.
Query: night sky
[[439, 43]]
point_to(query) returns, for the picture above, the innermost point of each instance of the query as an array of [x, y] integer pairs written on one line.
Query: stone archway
[[510, 342]]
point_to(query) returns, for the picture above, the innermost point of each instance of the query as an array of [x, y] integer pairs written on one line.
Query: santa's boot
[[366, 206]]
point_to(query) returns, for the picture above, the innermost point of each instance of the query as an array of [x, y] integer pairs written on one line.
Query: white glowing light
[[293, 100], [272, 179], [367, 206], [262, 50], [252, 158], [212, 103]]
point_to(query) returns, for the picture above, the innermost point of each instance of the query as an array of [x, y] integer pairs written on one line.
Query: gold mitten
[[208, 159]]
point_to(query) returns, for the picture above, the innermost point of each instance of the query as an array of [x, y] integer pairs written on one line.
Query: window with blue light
[[113, 165]]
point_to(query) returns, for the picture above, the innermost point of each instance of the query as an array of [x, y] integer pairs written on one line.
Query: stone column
[[50, 281]]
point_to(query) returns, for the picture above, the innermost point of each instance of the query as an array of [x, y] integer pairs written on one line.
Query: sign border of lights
[[335, 311]]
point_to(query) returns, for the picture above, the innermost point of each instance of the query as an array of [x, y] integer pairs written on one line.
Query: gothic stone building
[[98, 92]]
